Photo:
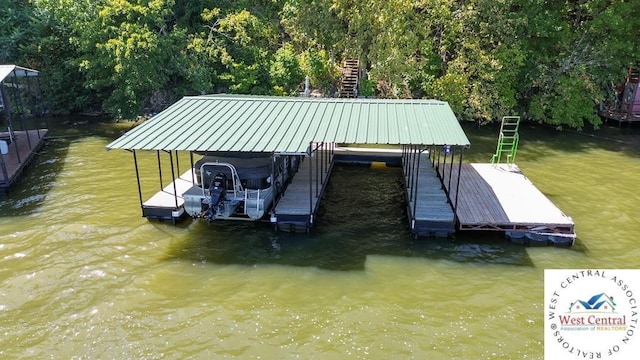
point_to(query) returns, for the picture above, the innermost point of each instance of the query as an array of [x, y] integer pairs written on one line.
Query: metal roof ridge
[[245, 97]]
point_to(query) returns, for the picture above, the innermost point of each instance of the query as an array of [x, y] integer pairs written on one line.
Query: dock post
[[455, 207], [322, 163], [5, 173], [415, 192], [135, 162], [407, 163], [412, 173], [8, 111], [193, 176], [21, 106], [177, 162], [173, 179], [450, 172], [32, 104], [310, 178], [444, 168], [159, 168]]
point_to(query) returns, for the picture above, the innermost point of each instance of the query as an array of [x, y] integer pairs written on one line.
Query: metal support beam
[[415, 192], [455, 207], [177, 163], [310, 179], [135, 162], [451, 172], [18, 99], [173, 179], [5, 173], [159, 169], [193, 177]]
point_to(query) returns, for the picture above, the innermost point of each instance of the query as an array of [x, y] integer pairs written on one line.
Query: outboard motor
[[218, 189], [217, 193]]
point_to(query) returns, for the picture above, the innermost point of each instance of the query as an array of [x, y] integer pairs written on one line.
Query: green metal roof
[[289, 124]]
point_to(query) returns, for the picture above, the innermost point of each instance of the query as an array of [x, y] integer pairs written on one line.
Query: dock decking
[[502, 198], [22, 148], [164, 205], [298, 204], [433, 213]]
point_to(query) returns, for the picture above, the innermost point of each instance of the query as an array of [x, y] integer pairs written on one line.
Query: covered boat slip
[[21, 147], [429, 209], [168, 203], [306, 127], [20, 98], [296, 208]]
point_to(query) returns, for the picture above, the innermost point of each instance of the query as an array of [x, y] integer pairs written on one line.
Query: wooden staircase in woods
[[350, 76]]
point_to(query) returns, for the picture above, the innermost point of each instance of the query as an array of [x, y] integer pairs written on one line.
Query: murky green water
[[83, 275]]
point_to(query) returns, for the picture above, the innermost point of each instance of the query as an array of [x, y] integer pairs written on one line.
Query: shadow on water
[[37, 179], [363, 213], [40, 175]]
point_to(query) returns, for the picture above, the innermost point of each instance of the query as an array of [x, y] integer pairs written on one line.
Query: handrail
[[237, 187], [258, 201], [247, 196]]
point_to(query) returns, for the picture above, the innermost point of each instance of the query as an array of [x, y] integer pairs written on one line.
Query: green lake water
[[84, 276]]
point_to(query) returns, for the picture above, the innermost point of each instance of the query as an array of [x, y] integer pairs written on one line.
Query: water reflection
[[37, 179]]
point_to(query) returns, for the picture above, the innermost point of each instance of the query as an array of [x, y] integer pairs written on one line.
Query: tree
[[548, 61], [285, 71], [124, 49], [14, 30], [234, 53], [574, 50]]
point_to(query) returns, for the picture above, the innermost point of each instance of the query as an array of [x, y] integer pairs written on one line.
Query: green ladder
[[508, 140]]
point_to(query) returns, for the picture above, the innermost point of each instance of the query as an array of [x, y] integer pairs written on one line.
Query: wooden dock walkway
[[296, 208], [22, 148], [501, 198], [433, 213], [165, 205]]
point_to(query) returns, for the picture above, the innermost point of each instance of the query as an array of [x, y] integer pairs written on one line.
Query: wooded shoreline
[[551, 62]]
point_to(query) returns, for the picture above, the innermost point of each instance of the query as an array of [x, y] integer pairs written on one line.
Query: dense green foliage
[[548, 61]]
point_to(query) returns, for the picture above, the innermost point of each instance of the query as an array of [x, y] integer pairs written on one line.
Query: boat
[[238, 186]]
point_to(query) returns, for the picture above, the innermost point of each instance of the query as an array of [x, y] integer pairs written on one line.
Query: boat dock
[[20, 98], [443, 194], [626, 106], [21, 147]]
